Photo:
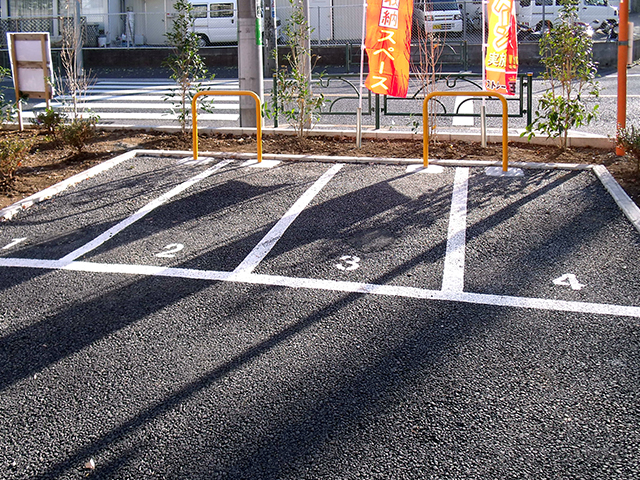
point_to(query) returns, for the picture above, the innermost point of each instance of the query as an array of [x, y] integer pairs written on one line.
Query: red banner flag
[[501, 62], [388, 43]]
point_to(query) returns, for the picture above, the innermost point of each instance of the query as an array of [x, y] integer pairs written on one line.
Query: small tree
[[186, 64], [295, 99], [76, 80], [566, 51], [430, 46], [81, 127]]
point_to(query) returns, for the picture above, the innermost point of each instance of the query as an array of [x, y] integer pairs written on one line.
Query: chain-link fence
[[454, 22]]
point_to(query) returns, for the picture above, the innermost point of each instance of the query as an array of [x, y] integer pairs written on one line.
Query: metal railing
[[523, 97], [505, 134], [345, 103]]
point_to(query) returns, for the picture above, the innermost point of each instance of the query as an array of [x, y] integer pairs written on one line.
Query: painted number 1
[[348, 262], [570, 280], [170, 250], [14, 243]]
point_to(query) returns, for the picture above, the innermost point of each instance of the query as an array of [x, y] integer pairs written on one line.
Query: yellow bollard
[[194, 116]]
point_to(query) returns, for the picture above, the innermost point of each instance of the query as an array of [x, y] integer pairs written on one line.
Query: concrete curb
[[629, 208], [575, 138]]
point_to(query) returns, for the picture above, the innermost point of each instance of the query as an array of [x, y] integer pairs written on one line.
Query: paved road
[[177, 319], [143, 102]]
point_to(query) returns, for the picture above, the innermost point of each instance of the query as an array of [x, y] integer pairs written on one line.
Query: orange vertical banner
[[388, 43], [501, 62]]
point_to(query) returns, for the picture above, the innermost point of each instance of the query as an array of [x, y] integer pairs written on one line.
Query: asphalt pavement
[[171, 318]]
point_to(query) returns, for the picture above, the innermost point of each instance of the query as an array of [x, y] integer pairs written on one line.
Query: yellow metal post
[[194, 116], [505, 123]]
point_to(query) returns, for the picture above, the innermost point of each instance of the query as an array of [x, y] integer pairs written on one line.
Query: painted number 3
[[170, 250], [570, 280], [348, 262]]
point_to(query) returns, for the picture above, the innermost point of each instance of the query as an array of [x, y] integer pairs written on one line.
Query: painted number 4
[[348, 262], [570, 280]]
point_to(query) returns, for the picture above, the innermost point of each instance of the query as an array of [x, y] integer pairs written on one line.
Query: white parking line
[[453, 275], [331, 285], [96, 242], [268, 242]]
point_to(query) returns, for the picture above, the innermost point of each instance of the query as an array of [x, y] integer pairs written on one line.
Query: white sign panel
[[31, 66]]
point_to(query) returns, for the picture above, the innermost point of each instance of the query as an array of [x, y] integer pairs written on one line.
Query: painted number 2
[[170, 250], [348, 262], [570, 280]]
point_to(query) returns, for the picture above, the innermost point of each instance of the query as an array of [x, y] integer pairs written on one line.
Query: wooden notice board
[[31, 66]]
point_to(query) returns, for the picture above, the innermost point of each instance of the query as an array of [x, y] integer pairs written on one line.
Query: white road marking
[[352, 263], [262, 164], [616, 96], [170, 250], [453, 275], [499, 172], [331, 285], [268, 242], [145, 100], [463, 106], [416, 168], [167, 88], [96, 242], [142, 99], [141, 106], [150, 116], [15, 241], [569, 280]]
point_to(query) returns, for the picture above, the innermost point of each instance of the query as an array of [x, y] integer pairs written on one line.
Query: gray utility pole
[[250, 72], [307, 48]]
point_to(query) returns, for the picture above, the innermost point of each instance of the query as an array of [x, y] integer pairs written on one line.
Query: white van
[[438, 16], [216, 21], [598, 14]]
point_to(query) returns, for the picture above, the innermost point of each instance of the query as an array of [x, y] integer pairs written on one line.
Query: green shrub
[[7, 107], [78, 132], [13, 151], [629, 138], [50, 120]]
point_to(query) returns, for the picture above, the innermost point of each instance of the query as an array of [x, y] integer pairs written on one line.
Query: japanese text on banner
[[388, 42], [501, 62]]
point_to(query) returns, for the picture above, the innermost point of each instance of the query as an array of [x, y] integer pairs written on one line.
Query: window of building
[[30, 8]]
